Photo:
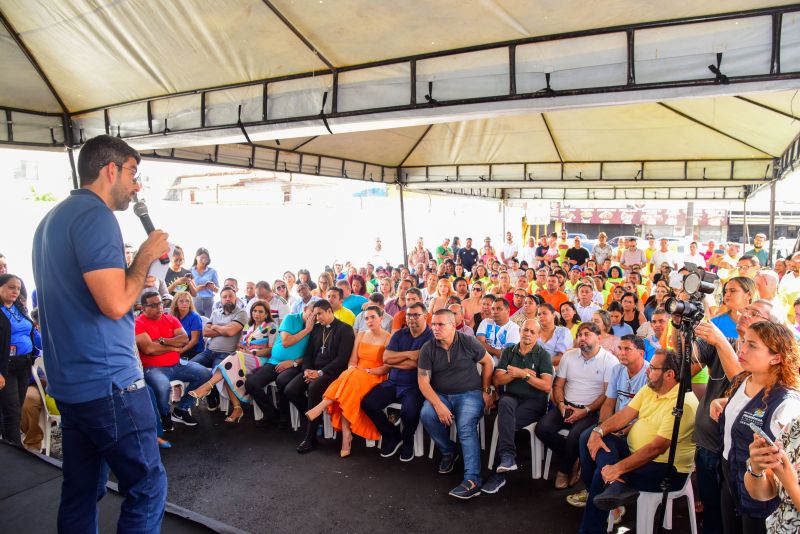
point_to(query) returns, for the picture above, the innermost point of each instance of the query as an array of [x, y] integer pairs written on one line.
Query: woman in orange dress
[[365, 370]]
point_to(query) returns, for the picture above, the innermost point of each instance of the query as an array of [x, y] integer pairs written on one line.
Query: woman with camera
[[763, 397]]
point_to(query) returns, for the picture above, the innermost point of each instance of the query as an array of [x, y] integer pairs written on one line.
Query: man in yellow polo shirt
[[621, 468], [335, 297]]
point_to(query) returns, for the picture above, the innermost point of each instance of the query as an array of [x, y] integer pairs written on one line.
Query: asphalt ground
[[248, 475]]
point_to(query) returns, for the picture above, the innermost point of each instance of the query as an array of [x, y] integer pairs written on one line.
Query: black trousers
[[256, 383], [12, 396], [515, 413], [295, 392], [732, 523], [567, 447], [385, 394]]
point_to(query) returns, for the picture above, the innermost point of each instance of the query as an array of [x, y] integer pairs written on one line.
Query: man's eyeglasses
[[413, 315], [136, 176], [154, 305], [752, 314]]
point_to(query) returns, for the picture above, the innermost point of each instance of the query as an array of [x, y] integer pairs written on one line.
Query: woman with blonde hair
[[443, 292], [324, 283], [764, 395], [182, 309]]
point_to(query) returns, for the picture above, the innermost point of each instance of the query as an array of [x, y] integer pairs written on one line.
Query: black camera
[[697, 284]]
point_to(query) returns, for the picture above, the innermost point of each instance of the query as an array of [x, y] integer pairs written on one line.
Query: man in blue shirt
[[401, 356], [85, 300], [284, 364], [350, 300]]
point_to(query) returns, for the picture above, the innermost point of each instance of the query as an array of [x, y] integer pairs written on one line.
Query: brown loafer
[[561, 481], [576, 473]]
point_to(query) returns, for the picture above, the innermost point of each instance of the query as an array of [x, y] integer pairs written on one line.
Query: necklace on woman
[[12, 311]]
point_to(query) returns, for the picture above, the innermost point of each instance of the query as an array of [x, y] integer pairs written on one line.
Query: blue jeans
[[159, 428], [467, 409], [210, 358], [204, 305], [159, 378], [117, 432], [645, 478]]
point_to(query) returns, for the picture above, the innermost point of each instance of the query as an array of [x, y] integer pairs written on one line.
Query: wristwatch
[[528, 376], [487, 390], [320, 373], [161, 341], [750, 469], [599, 431], [294, 363]]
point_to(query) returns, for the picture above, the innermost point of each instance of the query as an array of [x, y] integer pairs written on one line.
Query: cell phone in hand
[[761, 433], [568, 413]]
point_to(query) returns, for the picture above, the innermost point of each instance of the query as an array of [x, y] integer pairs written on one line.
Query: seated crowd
[[578, 343]]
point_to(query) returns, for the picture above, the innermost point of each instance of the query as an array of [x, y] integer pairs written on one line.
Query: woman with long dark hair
[[206, 281], [16, 355]]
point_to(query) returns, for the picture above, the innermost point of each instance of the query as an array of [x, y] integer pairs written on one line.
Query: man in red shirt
[[159, 338]]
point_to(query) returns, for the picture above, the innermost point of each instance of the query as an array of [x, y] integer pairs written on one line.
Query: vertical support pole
[[745, 230], [74, 171], [772, 188], [403, 221], [69, 143], [503, 204]]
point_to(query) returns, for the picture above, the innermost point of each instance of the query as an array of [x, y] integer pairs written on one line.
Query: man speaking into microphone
[[85, 299]]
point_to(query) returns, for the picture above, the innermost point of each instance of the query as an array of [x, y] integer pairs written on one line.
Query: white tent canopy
[[501, 98]]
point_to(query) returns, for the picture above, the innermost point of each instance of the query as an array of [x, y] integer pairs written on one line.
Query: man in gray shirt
[[224, 330]]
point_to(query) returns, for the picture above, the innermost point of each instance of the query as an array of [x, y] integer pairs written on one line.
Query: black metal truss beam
[[298, 34], [638, 193], [218, 157]]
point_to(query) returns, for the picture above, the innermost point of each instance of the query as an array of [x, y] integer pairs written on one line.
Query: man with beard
[[224, 328], [579, 392], [86, 293], [621, 468], [468, 256]]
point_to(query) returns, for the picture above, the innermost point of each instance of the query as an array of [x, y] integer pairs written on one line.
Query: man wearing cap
[[467, 256], [758, 251]]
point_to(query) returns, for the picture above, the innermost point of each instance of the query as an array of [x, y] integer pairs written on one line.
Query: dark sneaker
[[166, 423], [407, 453], [507, 464], [183, 416], [447, 463], [466, 490], [494, 483], [616, 494], [212, 403], [390, 446]]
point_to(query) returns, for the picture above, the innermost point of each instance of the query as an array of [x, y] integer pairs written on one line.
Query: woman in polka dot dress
[[254, 350]]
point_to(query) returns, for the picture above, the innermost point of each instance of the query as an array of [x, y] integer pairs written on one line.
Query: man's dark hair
[[660, 311], [98, 152], [750, 259], [261, 284], [227, 288], [490, 296], [234, 280], [503, 302], [636, 341], [377, 298], [459, 279], [323, 305], [672, 362], [148, 294], [615, 306], [419, 306], [590, 326], [337, 290], [453, 299], [414, 291]]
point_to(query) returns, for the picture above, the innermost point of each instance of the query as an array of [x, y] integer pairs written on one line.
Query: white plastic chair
[[549, 456], [419, 439], [648, 502], [537, 450], [47, 419]]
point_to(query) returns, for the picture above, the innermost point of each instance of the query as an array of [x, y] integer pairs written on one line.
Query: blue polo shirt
[[401, 341], [292, 324], [86, 354], [191, 323]]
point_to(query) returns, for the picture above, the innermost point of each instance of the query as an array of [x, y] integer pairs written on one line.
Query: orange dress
[[353, 385]]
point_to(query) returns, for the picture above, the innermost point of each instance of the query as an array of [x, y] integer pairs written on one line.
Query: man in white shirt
[[509, 249], [662, 255], [579, 392], [602, 250], [528, 253], [694, 256], [499, 332], [585, 305], [277, 306]]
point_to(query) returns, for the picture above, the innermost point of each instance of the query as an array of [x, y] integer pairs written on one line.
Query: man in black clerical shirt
[[329, 347]]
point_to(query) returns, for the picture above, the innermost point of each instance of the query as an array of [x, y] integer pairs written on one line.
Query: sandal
[[200, 396], [232, 418]]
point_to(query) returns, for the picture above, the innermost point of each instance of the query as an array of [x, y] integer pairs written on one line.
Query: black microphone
[[140, 209]]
